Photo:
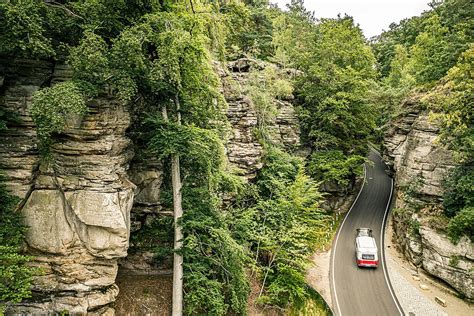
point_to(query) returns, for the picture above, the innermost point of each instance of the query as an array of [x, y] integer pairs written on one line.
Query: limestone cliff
[[420, 164], [82, 204], [77, 203]]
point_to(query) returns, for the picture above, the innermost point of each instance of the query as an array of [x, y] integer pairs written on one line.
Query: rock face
[[420, 164], [83, 203], [77, 204], [244, 153]]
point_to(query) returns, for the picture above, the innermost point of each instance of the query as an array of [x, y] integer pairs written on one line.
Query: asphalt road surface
[[364, 291]]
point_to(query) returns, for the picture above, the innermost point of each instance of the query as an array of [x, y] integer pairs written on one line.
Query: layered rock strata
[[420, 164], [243, 150], [76, 203]]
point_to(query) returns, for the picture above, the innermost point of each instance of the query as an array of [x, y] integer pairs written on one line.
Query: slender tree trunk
[[178, 234]]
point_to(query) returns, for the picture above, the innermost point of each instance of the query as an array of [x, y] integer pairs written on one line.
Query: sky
[[373, 16]]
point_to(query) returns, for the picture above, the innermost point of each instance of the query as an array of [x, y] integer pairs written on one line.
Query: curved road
[[364, 291]]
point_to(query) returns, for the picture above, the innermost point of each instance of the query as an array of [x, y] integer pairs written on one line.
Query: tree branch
[[61, 6]]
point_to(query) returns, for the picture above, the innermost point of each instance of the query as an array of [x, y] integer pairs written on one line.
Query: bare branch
[[61, 6]]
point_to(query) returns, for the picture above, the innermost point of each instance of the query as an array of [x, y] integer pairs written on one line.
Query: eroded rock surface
[[77, 204], [420, 164], [244, 153]]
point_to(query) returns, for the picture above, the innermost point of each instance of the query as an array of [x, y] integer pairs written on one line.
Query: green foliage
[[214, 274], [52, 107], [435, 40], [453, 104], [250, 29], [282, 226], [387, 94], [400, 70], [335, 167], [404, 33], [280, 170], [414, 227], [462, 224], [167, 60], [15, 274], [431, 55], [156, 236], [264, 87], [454, 261], [314, 306], [336, 114], [459, 191], [23, 28], [291, 32]]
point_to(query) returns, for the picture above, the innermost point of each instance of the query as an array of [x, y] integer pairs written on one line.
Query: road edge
[[337, 308], [384, 265], [388, 209]]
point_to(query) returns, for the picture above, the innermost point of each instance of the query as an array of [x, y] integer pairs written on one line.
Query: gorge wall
[[420, 164], [82, 204], [243, 149], [77, 203]]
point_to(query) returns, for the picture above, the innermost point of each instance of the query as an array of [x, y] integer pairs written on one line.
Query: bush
[[334, 166], [53, 106], [459, 191], [462, 224], [283, 226]]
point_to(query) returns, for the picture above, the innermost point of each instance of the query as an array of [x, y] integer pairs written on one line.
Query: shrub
[[334, 166], [459, 191], [283, 226], [53, 106], [462, 224]]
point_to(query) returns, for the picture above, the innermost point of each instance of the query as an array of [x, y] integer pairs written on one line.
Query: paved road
[[361, 291]]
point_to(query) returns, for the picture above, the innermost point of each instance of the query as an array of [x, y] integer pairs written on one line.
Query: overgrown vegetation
[[15, 274], [433, 54], [280, 222], [459, 202], [160, 56]]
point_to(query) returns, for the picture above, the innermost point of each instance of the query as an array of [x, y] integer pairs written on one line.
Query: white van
[[366, 248]]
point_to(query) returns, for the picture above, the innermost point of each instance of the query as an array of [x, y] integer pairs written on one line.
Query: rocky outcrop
[[419, 164], [244, 153], [76, 203], [244, 150]]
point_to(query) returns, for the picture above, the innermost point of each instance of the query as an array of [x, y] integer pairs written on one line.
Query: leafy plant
[[335, 167], [52, 107], [462, 224], [459, 192], [282, 227], [454, 261], [414, 227], [15, 274]]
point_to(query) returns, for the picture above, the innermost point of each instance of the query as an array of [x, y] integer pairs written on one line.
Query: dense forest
[[161, 58]]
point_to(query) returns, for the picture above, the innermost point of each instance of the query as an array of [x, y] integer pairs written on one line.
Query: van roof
[[366, 242]]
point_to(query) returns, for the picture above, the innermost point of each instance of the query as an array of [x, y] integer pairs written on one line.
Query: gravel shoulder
[[408, 281]]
